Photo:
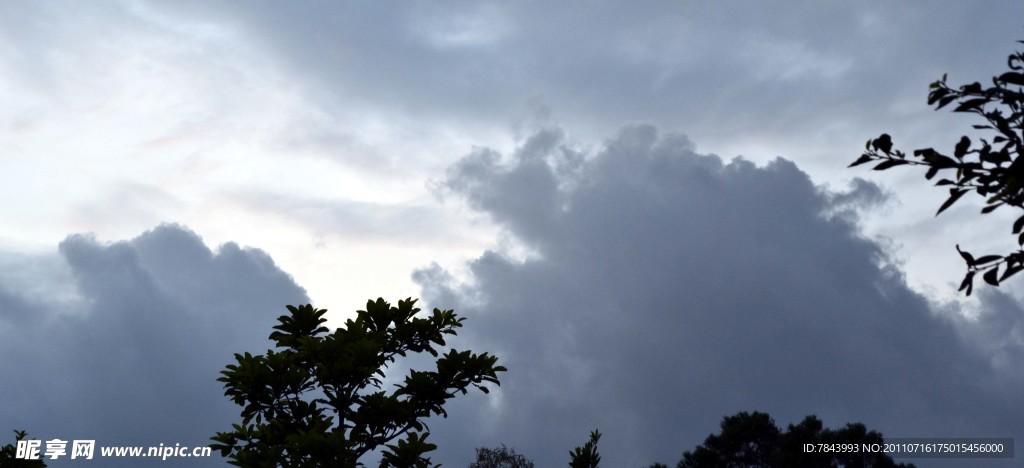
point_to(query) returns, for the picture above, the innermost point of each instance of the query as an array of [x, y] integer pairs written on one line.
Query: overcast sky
[[642, 208]]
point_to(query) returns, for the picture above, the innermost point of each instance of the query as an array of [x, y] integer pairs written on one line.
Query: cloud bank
[[662, 290], [132, 357], [667, 289]]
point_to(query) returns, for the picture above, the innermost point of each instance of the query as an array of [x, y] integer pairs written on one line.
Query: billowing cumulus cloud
[[132, 357], [668, 289]]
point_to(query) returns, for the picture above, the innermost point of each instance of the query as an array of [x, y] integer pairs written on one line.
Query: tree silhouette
[[586, 456], [746, 440], [753, 440], [8, 455], [502, 457], [992, 169], [319, 400]]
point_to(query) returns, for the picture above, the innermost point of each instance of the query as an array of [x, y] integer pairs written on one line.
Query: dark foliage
[[753, 440], [586, 456], [990, 167], [502, 457], [318, 400], [9, 451]]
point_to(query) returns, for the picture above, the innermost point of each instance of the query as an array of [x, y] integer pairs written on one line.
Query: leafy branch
[[990, 167], [319, 399]]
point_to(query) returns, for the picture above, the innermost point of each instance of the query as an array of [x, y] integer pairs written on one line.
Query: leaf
[[945, 101], [938, 92], [889, 163], [1012, 78], [883, 143], [1018, 225], [970, 104], [1010, 271], [967, 282], [967, 256], [954, 195], [932, 171], [988, 259], [962, 147], [990, 208], [971, 88], [927, 154], [861, 160], [992, 276]]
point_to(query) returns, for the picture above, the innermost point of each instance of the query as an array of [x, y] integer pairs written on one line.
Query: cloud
[[133, 357], [206, 100], [737, 72], [670, 288], [997, 330], [367, 222]]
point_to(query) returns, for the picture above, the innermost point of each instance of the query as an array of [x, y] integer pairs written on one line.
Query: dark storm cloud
[[998, 330], [670, 289], [160, 315], [862, 196]]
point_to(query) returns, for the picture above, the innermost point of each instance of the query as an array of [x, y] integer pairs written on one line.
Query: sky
[[644, 209]]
